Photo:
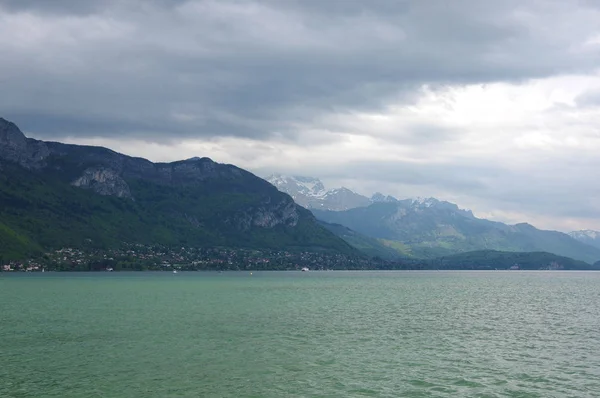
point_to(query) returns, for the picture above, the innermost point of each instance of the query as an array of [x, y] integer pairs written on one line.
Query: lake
[[300, 334]]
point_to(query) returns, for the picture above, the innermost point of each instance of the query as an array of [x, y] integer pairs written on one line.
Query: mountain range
[[310, 193], [56, 195], [587, 236], [425, 228], [433, 228]]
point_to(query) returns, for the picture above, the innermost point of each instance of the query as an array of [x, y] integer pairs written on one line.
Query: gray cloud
[[588, 99], [461, 177], [254, 68], [55, 6]]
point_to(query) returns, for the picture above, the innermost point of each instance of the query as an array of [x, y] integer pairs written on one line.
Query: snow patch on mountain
[[311, 193], [296, 186], [425, 202], [587, 236], [586, 233], [378, 197]]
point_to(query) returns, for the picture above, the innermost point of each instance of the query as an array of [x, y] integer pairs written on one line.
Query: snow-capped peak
[[424, 202], [378, 197], [586, 233], [307, 186], [311, 193]]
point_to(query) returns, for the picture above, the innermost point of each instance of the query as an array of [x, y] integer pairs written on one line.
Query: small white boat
[[174, 271], [305, 269]]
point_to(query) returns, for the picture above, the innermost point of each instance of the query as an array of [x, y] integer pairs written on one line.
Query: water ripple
[[337, 334]]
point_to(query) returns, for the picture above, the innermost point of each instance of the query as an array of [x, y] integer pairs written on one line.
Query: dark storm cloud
[[165, 69], [54, 6], [74, 7]]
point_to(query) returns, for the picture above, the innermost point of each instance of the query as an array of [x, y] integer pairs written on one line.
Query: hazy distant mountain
[[431, 228], [54, 195], [587, 236], [378, 197], [310, 193], [368, 245], [492, 259]]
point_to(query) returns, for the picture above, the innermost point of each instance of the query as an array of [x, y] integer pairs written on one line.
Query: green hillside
[[492, 259], [14, 245], [369, 246], [54, 195], [38, 210]]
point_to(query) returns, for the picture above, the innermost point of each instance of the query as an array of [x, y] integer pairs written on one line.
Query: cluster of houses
[[154, 257], [27, 266]]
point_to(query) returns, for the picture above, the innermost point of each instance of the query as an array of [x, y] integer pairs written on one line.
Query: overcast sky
[[494, 105]]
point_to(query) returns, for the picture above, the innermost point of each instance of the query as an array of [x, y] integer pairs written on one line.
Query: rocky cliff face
[[266, 215], [104, 182], [12, 142], [15, 147]]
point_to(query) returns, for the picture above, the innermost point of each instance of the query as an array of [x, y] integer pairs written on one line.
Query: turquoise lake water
[[293, 334]]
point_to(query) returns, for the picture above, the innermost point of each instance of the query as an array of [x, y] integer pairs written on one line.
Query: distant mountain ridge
[[426, 227], [431, 228], [368, 245], [587, 236], [310, 193], [493, 259], [54, 195]]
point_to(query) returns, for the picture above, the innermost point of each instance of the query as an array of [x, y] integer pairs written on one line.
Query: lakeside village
[[137, 257]]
